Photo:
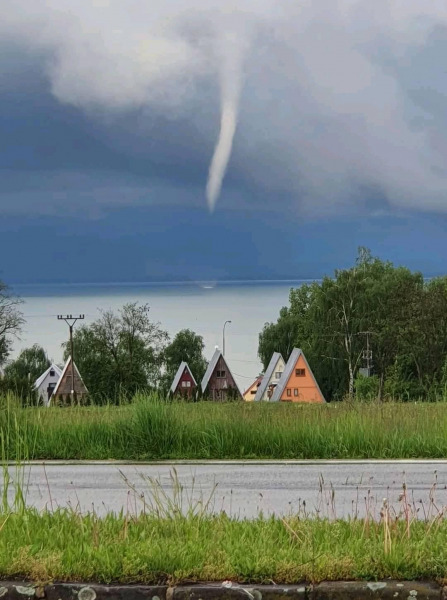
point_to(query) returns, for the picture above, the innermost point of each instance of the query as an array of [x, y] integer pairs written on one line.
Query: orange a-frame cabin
[[297, 383]]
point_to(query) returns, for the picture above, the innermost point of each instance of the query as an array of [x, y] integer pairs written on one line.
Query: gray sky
[[337, 95], [339, 108]]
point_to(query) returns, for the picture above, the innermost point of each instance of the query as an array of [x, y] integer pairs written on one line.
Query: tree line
[[401, 315], [395, 313], [119, 354]]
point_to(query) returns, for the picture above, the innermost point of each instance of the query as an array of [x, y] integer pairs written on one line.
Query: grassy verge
[[172, 538], [168, 546], [150, 429], [64, 546]]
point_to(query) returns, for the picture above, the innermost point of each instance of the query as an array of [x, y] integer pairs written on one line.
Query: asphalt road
[[339, 489]]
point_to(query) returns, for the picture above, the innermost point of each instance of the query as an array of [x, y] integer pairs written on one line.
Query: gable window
[[185, 383], [52, 373], [295, 392], [289, 392], [300, 372], [277, 374], [220, 374], [188, 384]]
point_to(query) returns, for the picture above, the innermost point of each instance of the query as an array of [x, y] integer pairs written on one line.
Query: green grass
[[152, 429], [65, 546], [163, 544]]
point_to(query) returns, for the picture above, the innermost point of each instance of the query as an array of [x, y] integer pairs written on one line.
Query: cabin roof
[[211, 367], [41, 379], [268, 375], [56, 389], [178, 375], [279, 390], [255, 382]]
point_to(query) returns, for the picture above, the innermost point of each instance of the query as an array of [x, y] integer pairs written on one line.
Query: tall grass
[[154, 429], [175, 539]]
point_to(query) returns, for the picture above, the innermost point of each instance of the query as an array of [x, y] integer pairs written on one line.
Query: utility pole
[[70, 320], [223, 338], [367, 354]]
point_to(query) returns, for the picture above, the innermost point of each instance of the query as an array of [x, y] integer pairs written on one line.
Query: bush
[[367, 388]]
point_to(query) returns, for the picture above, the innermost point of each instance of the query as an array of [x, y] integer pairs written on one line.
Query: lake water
[[201, 307]]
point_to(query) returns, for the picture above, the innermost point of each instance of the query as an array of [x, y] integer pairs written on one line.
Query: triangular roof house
[[271, 378], [250, 392], [218, 382], [46, 383], [63, 388], [184, 382], [297, 383]]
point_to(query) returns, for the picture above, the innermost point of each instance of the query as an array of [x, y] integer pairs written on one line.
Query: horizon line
[[213, 282]]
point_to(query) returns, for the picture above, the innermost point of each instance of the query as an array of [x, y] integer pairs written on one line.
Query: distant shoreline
[[201, 283]]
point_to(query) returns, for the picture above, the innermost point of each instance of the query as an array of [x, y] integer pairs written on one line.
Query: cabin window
[[289, 392], [295, 392], [300, 372], [277, 374], [220, 374], [184, 383], [188, 384], [52, 373]]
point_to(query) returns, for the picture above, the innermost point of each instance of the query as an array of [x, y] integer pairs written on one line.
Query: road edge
[[337, 590], [247, 462]]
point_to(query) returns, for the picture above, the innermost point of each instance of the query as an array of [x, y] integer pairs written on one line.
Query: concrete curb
[[338, 590], [236, 462]]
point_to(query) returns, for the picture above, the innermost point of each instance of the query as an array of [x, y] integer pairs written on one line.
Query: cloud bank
[[327, 102]]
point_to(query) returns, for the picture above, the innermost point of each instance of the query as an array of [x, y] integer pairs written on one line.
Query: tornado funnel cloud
[[222, 153]]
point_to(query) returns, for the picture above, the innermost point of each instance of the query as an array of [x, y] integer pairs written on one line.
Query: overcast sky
[[110, 112]]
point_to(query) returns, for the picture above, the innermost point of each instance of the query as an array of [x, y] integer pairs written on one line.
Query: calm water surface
[[201, 307]]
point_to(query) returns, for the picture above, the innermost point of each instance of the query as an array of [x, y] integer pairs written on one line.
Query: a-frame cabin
[[218, 382], [297, 383], [66, 383], [271, 378], [250, 392], [183, 383], [46, 383]]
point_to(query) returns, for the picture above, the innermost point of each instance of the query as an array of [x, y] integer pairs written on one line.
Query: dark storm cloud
[[339, 100]]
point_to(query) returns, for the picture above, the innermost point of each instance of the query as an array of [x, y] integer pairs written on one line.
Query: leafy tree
[[278, 337], [186, 346], [11, 320], [366, 388], [120, 353], [30, 364], [406, 319], [20, 374]]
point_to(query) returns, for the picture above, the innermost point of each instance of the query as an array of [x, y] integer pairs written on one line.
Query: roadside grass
[[66, 546], [151, 428], [175, 540]]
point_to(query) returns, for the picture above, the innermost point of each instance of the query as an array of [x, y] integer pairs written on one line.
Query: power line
[[50, 316], [70, 320], [245, 376], [254, 362]]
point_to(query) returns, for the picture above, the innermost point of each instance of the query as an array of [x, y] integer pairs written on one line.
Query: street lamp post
[[223, 337]]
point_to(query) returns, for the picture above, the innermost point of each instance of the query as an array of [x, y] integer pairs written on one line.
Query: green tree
[[20, 374], [11, 320], [403, 317], [278, 337], [186, 346], [423, 341], [30, 364], [120, 353]]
